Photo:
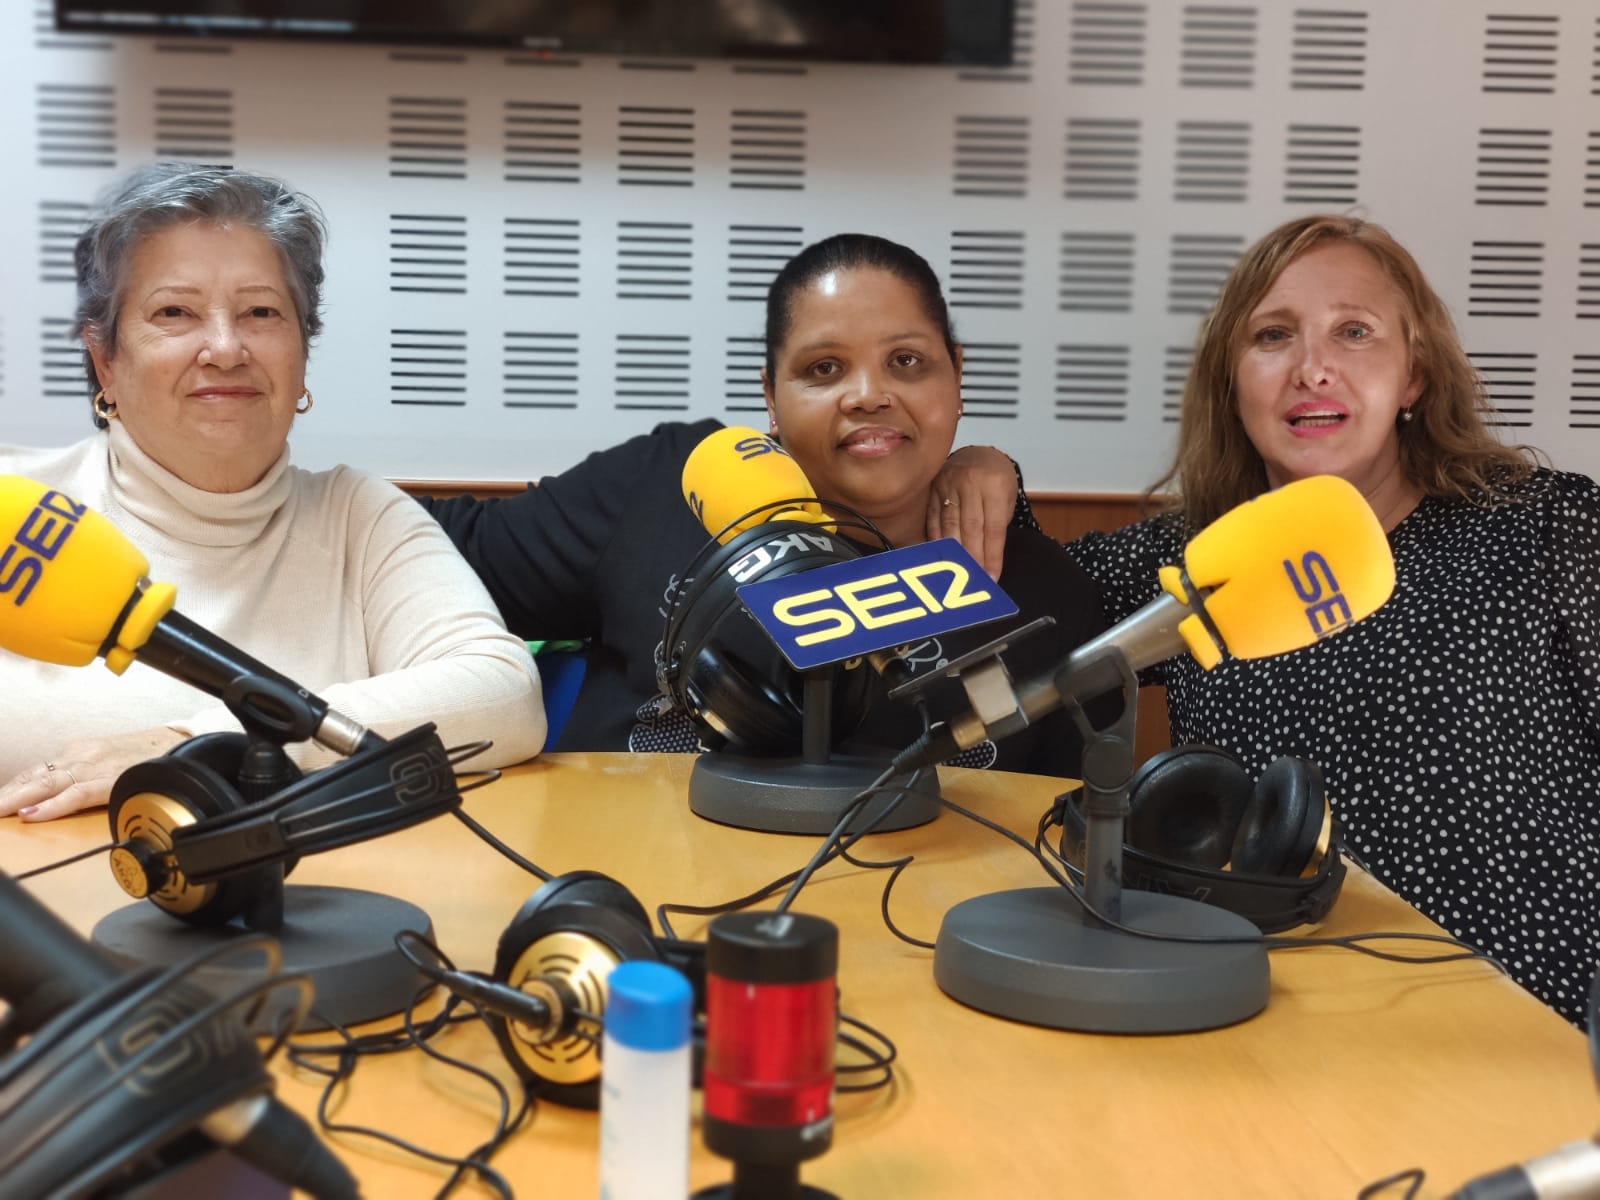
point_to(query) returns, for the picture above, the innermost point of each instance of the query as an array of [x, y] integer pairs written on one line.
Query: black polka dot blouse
[[1458, 727]]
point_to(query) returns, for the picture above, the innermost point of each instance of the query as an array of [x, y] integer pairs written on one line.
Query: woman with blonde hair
[[1459, 726]]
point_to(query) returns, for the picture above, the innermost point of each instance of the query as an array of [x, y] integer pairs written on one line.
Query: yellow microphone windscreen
[[1288, 568], [737, 471], [66, 574]]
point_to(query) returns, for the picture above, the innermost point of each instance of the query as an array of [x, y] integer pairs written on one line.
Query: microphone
[[68, 1124], [1275, 574], [763, 642], [738, 478], [1571, 1172], [74, 588]]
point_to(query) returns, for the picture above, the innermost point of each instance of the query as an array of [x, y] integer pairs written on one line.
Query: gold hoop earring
[[105, 409], [309, 402]]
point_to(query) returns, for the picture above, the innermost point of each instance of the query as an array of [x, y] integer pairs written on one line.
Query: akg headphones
[[560, 948], [722, 668], [192, 843], [1199, 827]]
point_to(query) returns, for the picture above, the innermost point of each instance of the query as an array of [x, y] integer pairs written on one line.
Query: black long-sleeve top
[[596, 552]]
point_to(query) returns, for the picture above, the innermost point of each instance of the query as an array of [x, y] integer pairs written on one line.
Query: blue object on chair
[[560, 677]]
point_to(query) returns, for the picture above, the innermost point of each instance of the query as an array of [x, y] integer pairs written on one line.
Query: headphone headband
[[392, 786], [1271, 902]]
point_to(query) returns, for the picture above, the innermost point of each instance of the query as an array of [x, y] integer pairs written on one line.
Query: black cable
[[761, 893], [1412, 1174], [824, 852], [66, 862], [508, 1122], [409, 1035], [899, 866], [896, 867], [531, 867], [880, 1058]]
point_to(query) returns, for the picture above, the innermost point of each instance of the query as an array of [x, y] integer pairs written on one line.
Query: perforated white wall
[[532, 257]]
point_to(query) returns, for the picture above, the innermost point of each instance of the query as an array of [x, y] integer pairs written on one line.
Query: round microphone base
[[342, 938], [789, 795], [730, 1191], [1030, 955]]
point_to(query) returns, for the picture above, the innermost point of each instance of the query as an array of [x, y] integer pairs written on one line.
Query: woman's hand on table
[[81, 773]]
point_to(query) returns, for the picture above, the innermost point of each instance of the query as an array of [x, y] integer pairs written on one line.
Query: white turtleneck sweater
[[336, 579]]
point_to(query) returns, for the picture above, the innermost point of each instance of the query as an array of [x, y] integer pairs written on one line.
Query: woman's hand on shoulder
[[81, 773], [972, 500]]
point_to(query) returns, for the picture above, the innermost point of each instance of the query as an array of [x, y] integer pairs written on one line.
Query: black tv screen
[[976, 32]]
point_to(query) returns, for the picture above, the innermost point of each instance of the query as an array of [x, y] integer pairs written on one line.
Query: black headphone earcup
[[750, 711], [576, 928], [1278, 833], [152, 799], [1185, 805], [573, 888], [221, 752], [721, 666]]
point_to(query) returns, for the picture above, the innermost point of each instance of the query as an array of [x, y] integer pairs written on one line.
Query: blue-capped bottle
[[644, 1084]]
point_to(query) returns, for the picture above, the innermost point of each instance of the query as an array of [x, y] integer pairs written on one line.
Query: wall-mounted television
[[964, 32]]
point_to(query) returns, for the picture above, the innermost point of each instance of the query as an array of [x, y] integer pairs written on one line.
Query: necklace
[[1398, 509]]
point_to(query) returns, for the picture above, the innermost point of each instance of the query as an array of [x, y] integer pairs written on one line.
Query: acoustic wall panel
[[531, 256], [1583, 395]]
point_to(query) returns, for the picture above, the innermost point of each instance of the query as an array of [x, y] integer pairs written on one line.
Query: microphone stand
[[341, 938], [805, 793], [1041, 956]]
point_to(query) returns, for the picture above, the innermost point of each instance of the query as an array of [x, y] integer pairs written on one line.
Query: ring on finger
[[950, 502], [51, 768]]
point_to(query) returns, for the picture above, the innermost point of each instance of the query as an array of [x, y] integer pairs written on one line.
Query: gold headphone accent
[[150, 817], [1324, 840], [582, 963]]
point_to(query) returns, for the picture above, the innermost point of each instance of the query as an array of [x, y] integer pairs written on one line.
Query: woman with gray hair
[[198, 291]]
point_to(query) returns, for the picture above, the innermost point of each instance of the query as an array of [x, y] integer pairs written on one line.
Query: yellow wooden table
[[1357, 1068]]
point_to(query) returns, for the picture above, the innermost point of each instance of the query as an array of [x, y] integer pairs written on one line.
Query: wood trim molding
[[1062, 515], [445, 489]]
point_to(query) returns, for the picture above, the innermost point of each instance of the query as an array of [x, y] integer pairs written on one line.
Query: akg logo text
[[44, 531], [1326, 607], [775, 550], [879, 600]]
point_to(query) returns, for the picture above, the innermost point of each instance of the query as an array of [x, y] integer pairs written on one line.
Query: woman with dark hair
[[863, 388], [198, 291], [1459, 726]]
